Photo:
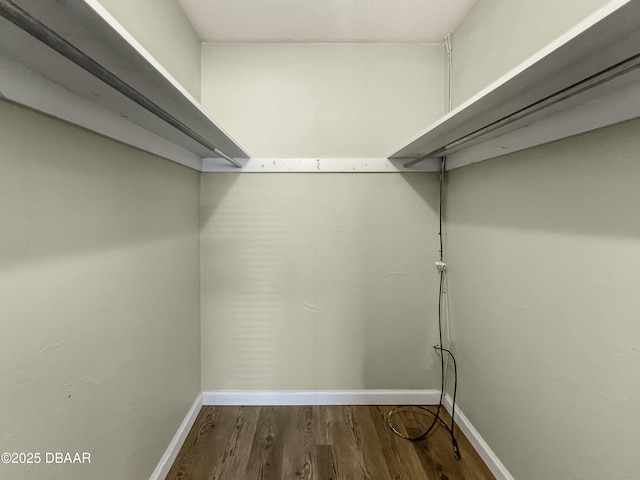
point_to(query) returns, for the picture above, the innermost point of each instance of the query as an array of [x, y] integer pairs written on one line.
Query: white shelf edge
[[115, 86], [617, 107], [530, 62], [124, 33], [318, 165], [25, 87]]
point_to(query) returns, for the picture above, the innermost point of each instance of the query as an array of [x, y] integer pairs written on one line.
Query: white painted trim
[[615, 107], [530, 62], [479, 444], [318, 165], [25, 87], [603, 39], [327, 397], [164, 465], [321, 397], [137, 46]]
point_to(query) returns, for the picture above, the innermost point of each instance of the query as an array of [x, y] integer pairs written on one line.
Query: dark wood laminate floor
[[320, 443]]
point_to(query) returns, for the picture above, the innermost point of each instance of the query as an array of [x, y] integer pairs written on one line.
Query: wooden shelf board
[[88, 27], [609, 36]]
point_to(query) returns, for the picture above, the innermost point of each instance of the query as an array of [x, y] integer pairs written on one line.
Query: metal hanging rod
[[23, 20], [593, 81]]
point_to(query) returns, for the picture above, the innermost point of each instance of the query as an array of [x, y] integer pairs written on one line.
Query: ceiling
[[324, 21]]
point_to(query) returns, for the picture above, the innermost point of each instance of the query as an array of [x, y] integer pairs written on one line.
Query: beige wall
[[99, 290], [319, 281], [498, 35], [164, 30], [340, 100], [544, 256]]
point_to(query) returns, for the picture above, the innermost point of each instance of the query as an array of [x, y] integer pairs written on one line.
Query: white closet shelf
[[586, 79], [73, 60]]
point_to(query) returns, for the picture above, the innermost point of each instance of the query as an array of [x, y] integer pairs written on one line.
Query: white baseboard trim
[[321, 397], [488, 456], [164, 465], [327, 397]]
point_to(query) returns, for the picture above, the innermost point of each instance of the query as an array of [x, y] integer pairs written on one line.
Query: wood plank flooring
[[321, 443]]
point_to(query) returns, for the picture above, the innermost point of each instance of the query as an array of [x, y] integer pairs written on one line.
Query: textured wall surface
[[99, 299], [164, 31], [498, 35], [349, 100], [319, 281], [544, 268]]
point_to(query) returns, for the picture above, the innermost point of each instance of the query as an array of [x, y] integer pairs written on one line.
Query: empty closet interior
[[292, 202]]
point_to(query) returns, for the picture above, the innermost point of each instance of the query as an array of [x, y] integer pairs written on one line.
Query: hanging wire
[[440, 349]]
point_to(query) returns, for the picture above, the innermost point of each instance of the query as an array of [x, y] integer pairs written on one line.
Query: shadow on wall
[[211, 199], [429, 193], [570, 186], [67, 191]]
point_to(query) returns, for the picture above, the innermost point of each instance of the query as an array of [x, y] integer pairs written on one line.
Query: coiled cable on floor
[[441, 350]]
